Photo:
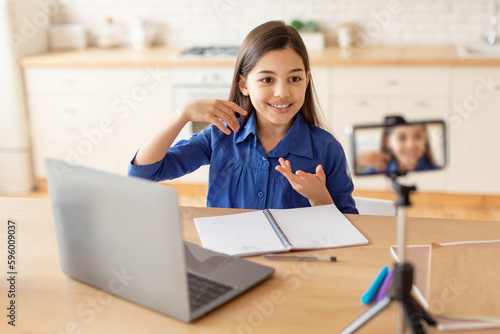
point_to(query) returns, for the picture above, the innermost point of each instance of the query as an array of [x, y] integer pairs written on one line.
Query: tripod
[[412, 312]]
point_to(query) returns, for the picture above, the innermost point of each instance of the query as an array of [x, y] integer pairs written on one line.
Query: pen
[[370, 293], [300, 258]]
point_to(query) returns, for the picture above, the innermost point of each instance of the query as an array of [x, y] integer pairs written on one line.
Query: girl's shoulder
[[320, 134], [209, 136], [216, 136]]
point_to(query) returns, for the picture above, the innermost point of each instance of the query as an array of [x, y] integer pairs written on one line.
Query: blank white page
[[238, 234], [317, 227]]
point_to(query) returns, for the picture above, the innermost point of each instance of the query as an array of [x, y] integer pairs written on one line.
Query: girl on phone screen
[[403, 149]]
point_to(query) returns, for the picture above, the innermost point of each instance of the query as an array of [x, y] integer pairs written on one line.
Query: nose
[[413, 143], [281, 89], [410, 143]]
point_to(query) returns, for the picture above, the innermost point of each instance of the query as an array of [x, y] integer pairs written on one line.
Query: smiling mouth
[[280, 106], [412, 154]]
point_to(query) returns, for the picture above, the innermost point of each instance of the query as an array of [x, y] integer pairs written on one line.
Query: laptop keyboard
[[203, 290]]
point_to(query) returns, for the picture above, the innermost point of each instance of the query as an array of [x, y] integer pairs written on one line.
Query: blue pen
[[370, 293]]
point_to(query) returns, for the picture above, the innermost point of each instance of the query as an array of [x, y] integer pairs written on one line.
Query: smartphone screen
[[400, 148]]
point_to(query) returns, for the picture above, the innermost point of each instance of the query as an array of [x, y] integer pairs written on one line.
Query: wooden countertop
[[316, 297], [330, 56]]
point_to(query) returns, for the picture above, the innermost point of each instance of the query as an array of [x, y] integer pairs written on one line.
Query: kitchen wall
[[191, 22]]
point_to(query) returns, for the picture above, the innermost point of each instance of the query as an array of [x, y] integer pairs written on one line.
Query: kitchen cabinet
[[321, 79], [96, 117], [99, 116], [474, 123], [364, 95], [66, 106], [140, 104]]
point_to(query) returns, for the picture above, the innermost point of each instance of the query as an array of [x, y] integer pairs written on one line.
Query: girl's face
[[276, 86], [407, 143]]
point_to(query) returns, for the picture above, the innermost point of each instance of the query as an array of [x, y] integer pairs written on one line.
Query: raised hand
[[212, 111], [311, 186], [215, 112]]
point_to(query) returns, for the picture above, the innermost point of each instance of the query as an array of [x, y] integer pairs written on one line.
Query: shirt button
[[263, 158], [260, 194]]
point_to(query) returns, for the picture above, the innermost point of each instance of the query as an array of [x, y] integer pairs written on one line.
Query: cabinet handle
[[494, 85], [362, 103], [201, 78], [421, 104], [69, 82], [392, 82], [72, 129], [70, 111]]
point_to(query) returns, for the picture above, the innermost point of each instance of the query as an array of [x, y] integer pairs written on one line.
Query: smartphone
[[398, 148]]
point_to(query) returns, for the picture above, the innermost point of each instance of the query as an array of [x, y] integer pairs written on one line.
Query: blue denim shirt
[[242, 175]]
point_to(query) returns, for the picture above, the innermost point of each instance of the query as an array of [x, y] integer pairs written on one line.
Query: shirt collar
[[297, 141], [250, 127]]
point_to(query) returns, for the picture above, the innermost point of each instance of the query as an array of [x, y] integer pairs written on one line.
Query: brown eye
[[295, 79], [267, 80]]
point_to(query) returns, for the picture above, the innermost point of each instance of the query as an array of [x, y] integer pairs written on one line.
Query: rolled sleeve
[[184, 157], [149, 172]]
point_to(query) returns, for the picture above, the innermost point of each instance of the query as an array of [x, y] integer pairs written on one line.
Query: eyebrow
[[271, 72]]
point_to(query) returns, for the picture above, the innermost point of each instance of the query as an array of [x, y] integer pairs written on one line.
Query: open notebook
[[278, 230]]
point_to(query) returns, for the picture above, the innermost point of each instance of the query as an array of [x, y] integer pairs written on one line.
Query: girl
[[409, 147], [251, 158], [403, 148]]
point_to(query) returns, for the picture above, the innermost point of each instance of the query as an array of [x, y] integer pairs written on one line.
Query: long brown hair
[[272, 35]]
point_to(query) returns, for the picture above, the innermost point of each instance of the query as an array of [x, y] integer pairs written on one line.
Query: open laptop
[[123, 235]]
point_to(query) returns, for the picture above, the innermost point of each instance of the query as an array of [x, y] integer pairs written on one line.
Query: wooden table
[[302, 297]]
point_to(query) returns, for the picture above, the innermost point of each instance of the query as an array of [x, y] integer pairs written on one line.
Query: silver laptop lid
[[113, 235]]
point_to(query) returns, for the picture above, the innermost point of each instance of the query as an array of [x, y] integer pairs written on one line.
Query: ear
[[308, 77], [242, 83]]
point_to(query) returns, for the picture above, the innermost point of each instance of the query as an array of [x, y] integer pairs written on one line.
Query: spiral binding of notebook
[[277, 229]]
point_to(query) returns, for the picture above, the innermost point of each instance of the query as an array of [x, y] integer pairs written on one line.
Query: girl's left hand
[[311, 186]]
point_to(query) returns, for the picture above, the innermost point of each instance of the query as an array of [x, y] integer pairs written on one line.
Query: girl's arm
[[212, 111]]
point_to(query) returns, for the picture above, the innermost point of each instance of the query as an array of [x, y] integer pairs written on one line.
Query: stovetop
[[214, 51]]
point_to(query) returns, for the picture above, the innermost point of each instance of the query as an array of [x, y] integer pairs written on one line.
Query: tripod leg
[[413, 317], [368, 315], [423, 313]]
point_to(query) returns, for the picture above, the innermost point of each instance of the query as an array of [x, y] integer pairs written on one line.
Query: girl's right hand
[[379, 161], [215, 112]]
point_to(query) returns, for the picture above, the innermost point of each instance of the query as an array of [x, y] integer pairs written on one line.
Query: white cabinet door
[[86, 143], [474, 123], [66, 80], [69, 116], [348, 112], [390, 81], [419, 108], [140, 103], [320, 76]]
